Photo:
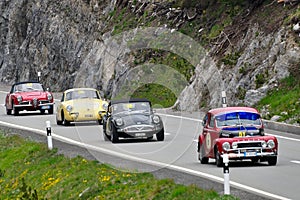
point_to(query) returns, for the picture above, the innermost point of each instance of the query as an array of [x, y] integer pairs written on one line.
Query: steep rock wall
[[72, 43]]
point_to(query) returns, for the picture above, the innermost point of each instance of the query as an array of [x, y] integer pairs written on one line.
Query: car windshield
[[81, 94], [143, 107], [28, 87], [238, 118]]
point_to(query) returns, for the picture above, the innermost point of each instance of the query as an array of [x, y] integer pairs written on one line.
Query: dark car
[[132, 118], [29, 96], [237, 132]]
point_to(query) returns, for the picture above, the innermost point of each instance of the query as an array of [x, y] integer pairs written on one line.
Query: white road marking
[[295, 161], [146, 161]]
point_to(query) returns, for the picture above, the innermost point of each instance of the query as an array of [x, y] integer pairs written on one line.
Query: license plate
[[45, 107], [140, 134], [247, 154], [88, 115]]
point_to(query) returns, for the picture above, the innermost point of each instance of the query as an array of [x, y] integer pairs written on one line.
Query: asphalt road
[[176, 157]]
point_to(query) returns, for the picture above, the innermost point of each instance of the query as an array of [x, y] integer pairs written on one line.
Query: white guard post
[[224, 100], [49, 137], [226, 174], [39, 76]]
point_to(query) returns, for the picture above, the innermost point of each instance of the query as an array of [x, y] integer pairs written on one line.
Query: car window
[[238, 118], [128, 107], [28, 87], [212, 121], [82, 94]]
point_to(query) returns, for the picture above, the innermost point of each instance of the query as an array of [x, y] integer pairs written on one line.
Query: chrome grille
[[249, 144], [139, 129]]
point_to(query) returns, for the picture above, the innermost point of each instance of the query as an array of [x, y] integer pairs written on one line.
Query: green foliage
[[160, 96], [231, 59], [284, 99], [56, 177], [261, 78], [241, 93]]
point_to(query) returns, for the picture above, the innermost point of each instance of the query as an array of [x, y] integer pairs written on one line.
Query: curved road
[[178, 151]]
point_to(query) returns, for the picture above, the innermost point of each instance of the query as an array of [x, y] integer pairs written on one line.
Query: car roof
[[231, 109], [77, 89], [131, 100], [24, 82]]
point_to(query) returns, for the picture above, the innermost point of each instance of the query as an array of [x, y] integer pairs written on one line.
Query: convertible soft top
[[132, 100]]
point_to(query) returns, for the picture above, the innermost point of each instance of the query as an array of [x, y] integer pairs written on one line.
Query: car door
[[209, 134]]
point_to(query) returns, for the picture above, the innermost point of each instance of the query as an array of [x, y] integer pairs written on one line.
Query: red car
[[238, 132], [29, 96]]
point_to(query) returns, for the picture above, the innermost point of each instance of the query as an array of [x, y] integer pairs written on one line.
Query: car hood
[[241, 131], [30, 95], [84, 103], [136, 119]]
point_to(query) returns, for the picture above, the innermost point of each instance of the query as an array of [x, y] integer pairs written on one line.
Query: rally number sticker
[[208, 141]]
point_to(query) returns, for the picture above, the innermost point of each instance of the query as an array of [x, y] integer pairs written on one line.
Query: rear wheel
[[160, 136], [203, 159]]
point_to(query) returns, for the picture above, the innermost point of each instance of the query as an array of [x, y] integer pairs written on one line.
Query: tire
[[160, 136], [8, 111], [203, 159], [219, 159], [42, 111], [272, 161], [105, 136], [16, 111], [114, 134], [51, 110], [100, 122], [58, 122], [64, 121]]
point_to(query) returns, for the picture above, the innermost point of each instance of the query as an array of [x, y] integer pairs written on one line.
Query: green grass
[[28, 170], [284, 99]]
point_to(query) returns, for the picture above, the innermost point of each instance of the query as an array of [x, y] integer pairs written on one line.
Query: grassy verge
[[28, 170], [283, 101]]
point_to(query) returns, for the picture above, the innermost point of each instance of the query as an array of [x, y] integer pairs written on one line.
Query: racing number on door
[[208, 141]]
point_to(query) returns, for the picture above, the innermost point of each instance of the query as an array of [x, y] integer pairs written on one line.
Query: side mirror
[[203, 122]]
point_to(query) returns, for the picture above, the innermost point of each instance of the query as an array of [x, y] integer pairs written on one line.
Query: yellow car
[[80, 104]]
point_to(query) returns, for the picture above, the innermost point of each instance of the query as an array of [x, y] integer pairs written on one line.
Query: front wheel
[[16, 111], [51, 110], [114, 134], [65, 122], [8, 111], [272, 160], [219, 159], [160, 136]]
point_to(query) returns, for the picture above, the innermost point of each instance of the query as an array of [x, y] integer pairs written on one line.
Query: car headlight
[[264, 144], [226, 146], [105, 106], [19, 98], [49, 97], [234, 145], [69, 108], [156, 119], [271, 144], [119, 121]]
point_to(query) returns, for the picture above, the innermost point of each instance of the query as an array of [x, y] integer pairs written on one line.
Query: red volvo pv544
[[238, 132]]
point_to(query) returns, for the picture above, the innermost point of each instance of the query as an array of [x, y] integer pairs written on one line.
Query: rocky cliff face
[[89, 43]]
